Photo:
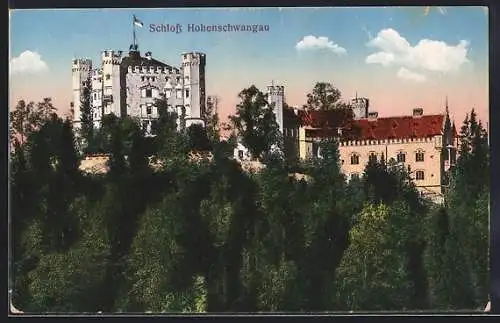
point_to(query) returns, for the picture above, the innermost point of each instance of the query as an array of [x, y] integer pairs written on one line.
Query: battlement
[[189, 55], [81, 64], [276, 89], [152, 70], [111, 54]]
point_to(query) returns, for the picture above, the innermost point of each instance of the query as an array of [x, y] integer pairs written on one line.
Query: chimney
[[418, 112], [148, 55], [372, 116]]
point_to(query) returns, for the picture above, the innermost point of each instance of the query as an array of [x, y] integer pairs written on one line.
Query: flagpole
[[133, 26]]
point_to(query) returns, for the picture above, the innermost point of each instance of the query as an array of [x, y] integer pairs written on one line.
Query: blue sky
[[236, 60]]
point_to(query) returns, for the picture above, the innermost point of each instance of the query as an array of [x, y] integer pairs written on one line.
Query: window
[[419, 175], [372, 157], [108, 76], [149, 109], [168, 93], [179, 94], [419, 156], [240, 154], [401, 157], [145, 125], [354, 176], [187, 93], [153, 78], [142, 78], [355, 159], [95, 96], [149, 93]]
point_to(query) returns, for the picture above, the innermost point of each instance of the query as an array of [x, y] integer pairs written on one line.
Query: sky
[[399, 58]]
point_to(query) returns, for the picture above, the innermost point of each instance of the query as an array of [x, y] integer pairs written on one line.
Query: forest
[[206, 236]]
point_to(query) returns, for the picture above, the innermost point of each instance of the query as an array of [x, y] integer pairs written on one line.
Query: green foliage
[[86, 115], [206, 236], [373, 273], [324, 96], [255, 122]]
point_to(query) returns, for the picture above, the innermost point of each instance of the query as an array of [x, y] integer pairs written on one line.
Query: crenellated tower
[[193, 72], [111, 82], [81, 72], [276, 99]]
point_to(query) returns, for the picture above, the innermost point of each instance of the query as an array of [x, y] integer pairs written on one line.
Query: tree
[[324, 96], [198, 138], [373, 273], [467, 201], [86, 116], [255, 122], [28, 117], [71, 281]]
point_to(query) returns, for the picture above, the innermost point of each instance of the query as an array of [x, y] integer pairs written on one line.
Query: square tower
[[81, 73], [276, 100], [111, 61]]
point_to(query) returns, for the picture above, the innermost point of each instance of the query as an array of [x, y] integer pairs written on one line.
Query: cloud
[[28, 62], [432, 55], [406, 74], [442, 10], [319, 43]]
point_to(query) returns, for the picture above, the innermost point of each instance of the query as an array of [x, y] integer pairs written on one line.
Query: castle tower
[[360, 107], [193, 69], [111, 103], [212, 105], [276, 99], [81, 71]]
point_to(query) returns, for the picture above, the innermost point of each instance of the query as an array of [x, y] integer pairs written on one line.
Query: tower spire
[[446, 104]]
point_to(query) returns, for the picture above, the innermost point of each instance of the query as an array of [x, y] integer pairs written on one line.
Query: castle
[[129, 86], [427, 144]]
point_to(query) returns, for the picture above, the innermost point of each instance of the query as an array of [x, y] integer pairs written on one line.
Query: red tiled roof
[[381, 128], [401, 127]]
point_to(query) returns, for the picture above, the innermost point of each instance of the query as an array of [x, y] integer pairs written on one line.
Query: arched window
[[419, 156], [372, 157]]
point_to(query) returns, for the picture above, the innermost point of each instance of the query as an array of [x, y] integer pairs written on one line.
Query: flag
[[137, 22]]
